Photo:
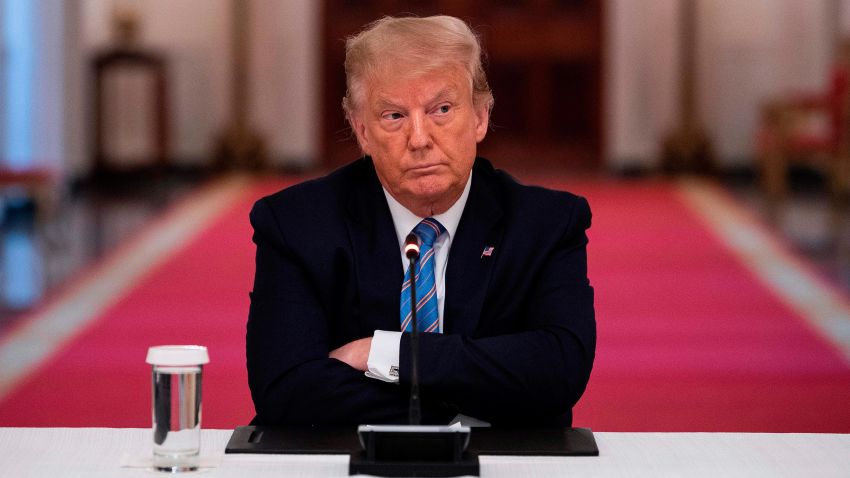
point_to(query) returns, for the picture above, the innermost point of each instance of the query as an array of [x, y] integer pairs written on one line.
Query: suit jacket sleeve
[[532, 375], [292, 380]]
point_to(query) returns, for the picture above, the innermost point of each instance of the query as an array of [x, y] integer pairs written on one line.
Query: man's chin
[[431, 188]]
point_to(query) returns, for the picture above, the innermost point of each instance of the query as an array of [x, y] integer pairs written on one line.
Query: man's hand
[[355, 354]]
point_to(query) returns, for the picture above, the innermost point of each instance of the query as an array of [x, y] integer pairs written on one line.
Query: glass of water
[[176, 405]]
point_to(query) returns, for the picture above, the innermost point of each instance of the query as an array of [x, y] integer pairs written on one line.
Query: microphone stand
[[414, 449], [415, 406]]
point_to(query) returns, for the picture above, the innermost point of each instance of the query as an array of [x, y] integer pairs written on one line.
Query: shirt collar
[[405, 221]]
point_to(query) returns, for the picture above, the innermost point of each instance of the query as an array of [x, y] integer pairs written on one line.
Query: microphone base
[[360, 465], [413, 451]]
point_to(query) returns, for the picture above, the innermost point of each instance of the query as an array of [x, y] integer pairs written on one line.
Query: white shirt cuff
[[383, 356]]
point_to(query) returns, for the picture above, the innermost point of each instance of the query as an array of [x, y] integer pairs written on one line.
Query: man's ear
[[482, 115], [359, 128]]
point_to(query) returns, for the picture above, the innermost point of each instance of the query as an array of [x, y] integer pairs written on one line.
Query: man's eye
[[443, 109], [392, 116]]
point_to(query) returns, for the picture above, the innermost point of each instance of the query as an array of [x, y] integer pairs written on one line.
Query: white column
[[641, 79], [286, 78], [33, 85], [18, 71]]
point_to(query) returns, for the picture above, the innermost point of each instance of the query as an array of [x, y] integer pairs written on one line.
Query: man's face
[[422, 134]]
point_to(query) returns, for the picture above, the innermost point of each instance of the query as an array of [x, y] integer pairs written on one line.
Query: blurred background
[[101, 92], [112, 111]]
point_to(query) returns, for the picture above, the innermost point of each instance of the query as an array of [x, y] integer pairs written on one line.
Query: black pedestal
[[413, 450], [360, 464]]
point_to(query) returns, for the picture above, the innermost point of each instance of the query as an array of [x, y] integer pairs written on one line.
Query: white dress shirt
[[383, 358]]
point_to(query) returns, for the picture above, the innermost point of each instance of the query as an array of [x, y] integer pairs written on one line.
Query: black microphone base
[[359, 464], [413, 451]]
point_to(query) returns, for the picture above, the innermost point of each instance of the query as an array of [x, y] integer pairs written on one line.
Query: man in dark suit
[[505, 308]]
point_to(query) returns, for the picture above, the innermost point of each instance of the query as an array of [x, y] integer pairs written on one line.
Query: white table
[[99, 452]]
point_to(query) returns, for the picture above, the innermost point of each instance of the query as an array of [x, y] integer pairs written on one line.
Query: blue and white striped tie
[[427, 313]]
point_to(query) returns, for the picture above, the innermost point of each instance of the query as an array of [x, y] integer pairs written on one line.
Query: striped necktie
[[427, 311]]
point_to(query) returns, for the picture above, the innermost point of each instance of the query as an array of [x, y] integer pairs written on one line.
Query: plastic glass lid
[[178, 355]]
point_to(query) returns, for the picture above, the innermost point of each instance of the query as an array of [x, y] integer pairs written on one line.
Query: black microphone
[[411, 251]]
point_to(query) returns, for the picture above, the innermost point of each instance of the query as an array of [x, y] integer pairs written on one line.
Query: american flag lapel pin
[[487, 252]]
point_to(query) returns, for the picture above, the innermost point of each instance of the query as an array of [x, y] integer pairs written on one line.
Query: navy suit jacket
[[519, 328]]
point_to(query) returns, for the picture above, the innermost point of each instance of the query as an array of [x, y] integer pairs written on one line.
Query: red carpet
[[689, 339], [200, 296]]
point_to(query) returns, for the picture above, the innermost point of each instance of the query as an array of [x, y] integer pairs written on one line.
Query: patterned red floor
[[689, 339]]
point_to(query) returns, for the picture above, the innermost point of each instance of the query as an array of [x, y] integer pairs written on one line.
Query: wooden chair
[[807, 129]]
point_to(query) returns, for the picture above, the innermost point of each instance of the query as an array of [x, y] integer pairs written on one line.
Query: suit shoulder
[[537, 203], [315, 197]]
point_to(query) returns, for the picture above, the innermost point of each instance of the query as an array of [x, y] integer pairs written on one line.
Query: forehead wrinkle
[[397, 77]]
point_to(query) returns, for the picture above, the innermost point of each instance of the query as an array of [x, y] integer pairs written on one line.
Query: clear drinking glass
[[176, 405]]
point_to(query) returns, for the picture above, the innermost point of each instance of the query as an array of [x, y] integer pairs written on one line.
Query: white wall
[[74, 94], [842, 16], [195, 37], [641, 78], [753, 50], [747, 51], [4, 65], [48, 84], [287, 97]]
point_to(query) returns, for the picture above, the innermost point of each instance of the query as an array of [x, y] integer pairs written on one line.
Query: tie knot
[[428, 230]]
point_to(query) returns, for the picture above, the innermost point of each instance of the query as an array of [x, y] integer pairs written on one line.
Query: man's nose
[[419, 135]]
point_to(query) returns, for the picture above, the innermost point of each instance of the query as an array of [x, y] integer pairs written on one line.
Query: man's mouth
[[425, 168]]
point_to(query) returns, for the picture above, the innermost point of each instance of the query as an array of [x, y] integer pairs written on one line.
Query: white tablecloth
[[100, 452]]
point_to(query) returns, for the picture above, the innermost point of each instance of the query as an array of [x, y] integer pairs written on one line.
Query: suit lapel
[[468, 271], [378, 267]]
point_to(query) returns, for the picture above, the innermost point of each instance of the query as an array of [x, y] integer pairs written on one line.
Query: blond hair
[[418, 45]]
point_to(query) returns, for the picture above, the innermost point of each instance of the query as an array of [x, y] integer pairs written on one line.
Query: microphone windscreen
[[411, 247]]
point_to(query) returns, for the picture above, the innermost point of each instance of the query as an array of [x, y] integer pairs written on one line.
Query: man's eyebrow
[[443, 95], [387, 103], [446, 94]]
